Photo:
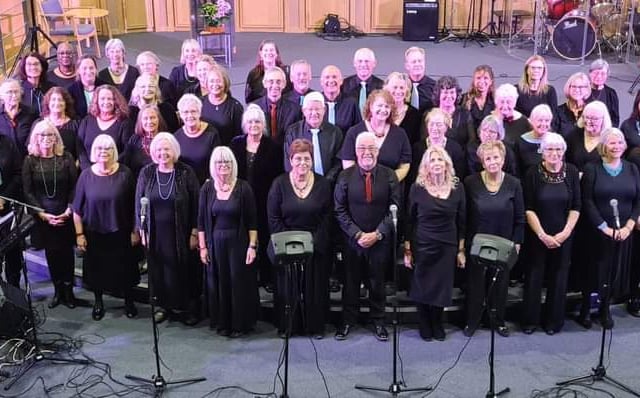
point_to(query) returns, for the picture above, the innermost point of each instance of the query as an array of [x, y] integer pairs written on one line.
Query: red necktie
[[273, 120], [368, 189]]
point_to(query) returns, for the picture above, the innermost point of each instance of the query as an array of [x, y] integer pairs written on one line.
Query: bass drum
[[568, 36], [557, 9]]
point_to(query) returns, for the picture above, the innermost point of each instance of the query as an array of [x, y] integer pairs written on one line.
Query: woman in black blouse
[[552, 201], [406, 117], [103, 212], [118, 74], [600, 91], [259, 163], [577, 91], [83, 89], [534, 87], [220, 108], [491, 129], [171, 236], [301, 201], [434, 240], [57, 109], [494, 206], [108, 114], [183, 76], [228, 239], [528, 145], [147, 92], [446, 97], [137, 153], [610, 269], [196, 137], [515, 123], [268, 57], [49, 176], [32, 73], [582, 146], [479, 99], [149, 63]]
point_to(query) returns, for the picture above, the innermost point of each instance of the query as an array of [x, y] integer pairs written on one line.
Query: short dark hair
[[21, 74]]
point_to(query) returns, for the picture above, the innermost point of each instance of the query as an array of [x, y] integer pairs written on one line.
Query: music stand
[[292, 250], [498, 255]]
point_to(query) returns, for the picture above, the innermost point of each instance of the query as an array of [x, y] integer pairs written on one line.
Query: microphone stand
[[157, 381], [492, 323], [15, 239], [395, 387]]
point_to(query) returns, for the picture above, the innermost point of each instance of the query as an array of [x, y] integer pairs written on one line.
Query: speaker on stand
[[420, 20]]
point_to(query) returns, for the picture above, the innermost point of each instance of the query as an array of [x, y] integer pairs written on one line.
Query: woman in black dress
[[228, 239], [494, 206], [196, 137], [147, 92], [610, 247], [183, 76], [434, 240], [534, 88], [406, 117], [600, 91], [479, 99], [149, 63], [552, 202], [204, 65], [83, 89], [119, 74], [631, 126], [446, 97], [394, 148], [108, 114], [301, 201], [171, 221], [259, 163], [491, 129], [268, 57], [515, 123], [577, 90], [582, 146], [137, 153], [48, 178], [220, 108], [57, 109], [103, 215], [528, 145], [32, 73]]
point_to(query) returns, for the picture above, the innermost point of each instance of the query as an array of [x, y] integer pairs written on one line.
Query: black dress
[[461, 126], [477, 114], [528, 152], [49, 183], [577, 154], [127, 84], [526, 102], [567, 121], [196, 152], [105, 204], [610, 98], [412, 124], [89, 129], [173, 213], [181, 80], [167, 112], [514, 128], [288, 212], [231, 289], [498, 213], [434, 227], [135, 155], [226, 117], [11, 187], [631, 130]]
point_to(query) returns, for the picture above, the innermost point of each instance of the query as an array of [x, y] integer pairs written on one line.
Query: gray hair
[[507, 90], [599, 107], [114, 44], [599, 64], [553, 139], [173, 143], [363, 135], [494, 123], [104, 140], [223, 153], [541, 110], [253, 112], [188, 100]]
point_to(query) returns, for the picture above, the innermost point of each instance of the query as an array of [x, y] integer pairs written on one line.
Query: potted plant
[[215, 13]]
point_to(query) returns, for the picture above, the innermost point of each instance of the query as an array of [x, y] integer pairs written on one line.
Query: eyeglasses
[[104, 148], [370, 148], [592, 118], [46, 135], [436, 124], [553, 149], [584, 87], [222, 162], [301, 159]]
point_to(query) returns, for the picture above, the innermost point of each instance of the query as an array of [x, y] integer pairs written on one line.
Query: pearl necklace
[[169, 182]]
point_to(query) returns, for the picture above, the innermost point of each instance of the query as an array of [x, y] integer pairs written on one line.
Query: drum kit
[[575, 28]]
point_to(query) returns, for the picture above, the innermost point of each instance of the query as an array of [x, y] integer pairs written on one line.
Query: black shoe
[[438, 333], [130, 309], [236, 334], [585, 320], [503, 330], [468, 331], [98, 310], [160, 316], [68, 296], [528, 329], [633, 307], [318, 336], [381, 333], [343, 331], [606, 321], [55, 300], [190, 319], [551, 331], [223, 332]]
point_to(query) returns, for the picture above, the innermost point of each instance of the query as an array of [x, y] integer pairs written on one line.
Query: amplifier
[[420, 20]]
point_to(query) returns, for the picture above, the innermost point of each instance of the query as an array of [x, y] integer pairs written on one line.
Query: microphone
[[616, 214], [144, 204], [394, 214]]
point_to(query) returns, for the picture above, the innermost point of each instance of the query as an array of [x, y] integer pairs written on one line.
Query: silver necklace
[[169, 182], [55, 180]]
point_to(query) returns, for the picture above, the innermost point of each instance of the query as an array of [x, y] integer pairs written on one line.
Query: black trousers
[[556, 262], [58, 245], [12, 259], [370, 263], [479, 282]]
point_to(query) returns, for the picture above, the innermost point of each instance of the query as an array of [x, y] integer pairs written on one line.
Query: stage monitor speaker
[[420, 20], [14, 311]]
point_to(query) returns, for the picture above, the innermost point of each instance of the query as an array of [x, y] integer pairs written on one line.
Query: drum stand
[[445, 33], [476, 35]]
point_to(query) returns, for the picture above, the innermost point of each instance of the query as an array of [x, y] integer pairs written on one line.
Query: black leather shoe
[[528, 329], [585, 321], [438, 333], [550, 332], [130, 309], [468, 331], [223, 332], [633, 307], [68, 296], [343, 331], [55, 300], [190, 319], [503, 330], [381, 333], [98, 311]]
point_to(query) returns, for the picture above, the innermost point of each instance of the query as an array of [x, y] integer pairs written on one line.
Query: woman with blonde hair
[[583, 145], [434, 238], [407, 117], [479, 99], [534, 88], [577, 91], [184, 75]]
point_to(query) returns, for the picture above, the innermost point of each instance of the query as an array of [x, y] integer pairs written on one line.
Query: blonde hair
[[604, 136], [187, 43], [402, 77], [223, 153], [489, 146], [44, 125], [103, 140], [173, 143], [424, 178], [524, 86], [601, 108]]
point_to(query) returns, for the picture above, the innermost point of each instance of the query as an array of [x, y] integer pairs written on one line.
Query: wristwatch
[[379, 235]]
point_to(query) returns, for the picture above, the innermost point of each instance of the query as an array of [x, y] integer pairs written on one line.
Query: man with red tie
[[363, 195]]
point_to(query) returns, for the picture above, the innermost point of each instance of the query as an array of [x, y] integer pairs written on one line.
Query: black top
[[254, 89], [395, 149], [351, 86], [330, 139], [167, 91], [49, 183], [296, 97], [346, 111], [167, 112], [513, 129], [500, 213], [180, 79], [226, 117], [477, 114], [128, 83], [566, 125], [135, 156], [453, 149], [474, 164], [411, 124], [89, 129], [526, 102], [354, 213], [610, 99], [551, 201], [577, 154], [10, 166], [58, 81], [196, 152], [287, 113], [18, 129], [80, 105], [426, 86], [528, 152], [461, 126], [32, 96], [69, 134], [599, 187], [631, 130], [105, 203]]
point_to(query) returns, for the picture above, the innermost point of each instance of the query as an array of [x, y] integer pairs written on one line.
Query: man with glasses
[[64, 74], [363, 195]]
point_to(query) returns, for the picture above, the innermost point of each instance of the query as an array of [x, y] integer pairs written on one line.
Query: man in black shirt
[[362, 196], [342, 111], [360, 85], [415, 64]]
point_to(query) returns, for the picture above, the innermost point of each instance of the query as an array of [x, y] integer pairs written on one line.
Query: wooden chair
[[61, 26]]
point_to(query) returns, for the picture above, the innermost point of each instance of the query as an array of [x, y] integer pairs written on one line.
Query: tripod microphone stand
[[157, 381], [599, 372], [476, 35], [31, 39], [395, 387], [14, 239], [445, 33], [492, 323]]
